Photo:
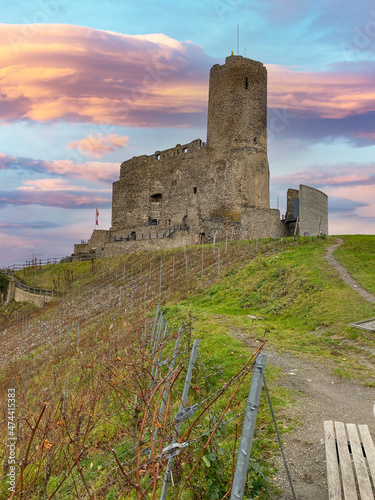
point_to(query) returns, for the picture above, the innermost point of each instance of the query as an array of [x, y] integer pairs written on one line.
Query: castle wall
[[168, 185], [261, 223], [292, 195], [124, 247], [186, 185]]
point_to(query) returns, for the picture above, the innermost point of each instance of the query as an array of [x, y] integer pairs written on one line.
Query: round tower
[[237, 128], [237, 105]]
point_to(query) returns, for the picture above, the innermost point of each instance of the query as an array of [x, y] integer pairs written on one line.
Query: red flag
[[97, 217]]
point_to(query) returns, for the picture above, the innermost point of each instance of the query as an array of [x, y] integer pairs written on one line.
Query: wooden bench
[[350, 461]]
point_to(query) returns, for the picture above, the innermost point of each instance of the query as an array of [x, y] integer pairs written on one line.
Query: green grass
[[303, 305]]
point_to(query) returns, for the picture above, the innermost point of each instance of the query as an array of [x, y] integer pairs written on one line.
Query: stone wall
[[123, 247], [291, 196], [260, 223]]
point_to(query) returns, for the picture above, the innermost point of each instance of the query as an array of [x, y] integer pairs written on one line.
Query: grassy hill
[[88, 388]]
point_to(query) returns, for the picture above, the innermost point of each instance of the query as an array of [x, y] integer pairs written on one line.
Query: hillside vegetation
[[89, 421]]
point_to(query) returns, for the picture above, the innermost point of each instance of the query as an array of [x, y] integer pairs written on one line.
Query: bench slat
[[350, 491], [333, 476], [369, 449], [359, 464]]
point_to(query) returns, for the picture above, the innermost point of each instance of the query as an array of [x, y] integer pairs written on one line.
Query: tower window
[[255, 140], [246, 83], [195, 190], [156, 198]]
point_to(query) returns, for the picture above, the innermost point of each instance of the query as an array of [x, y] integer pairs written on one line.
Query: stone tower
[[237, 124]]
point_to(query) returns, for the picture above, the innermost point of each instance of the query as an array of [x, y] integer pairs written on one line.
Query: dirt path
[[344, 275], [319, 396]]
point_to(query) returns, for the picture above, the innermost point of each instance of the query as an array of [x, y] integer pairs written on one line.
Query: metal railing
[[28, 288], [32, 263]]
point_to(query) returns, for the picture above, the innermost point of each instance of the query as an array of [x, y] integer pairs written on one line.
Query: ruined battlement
[[178, 152]]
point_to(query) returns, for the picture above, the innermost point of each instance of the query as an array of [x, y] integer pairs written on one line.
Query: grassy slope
[[303, 305], [302, 302]]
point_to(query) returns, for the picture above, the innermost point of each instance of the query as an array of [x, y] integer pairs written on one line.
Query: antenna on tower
[[238, 39]]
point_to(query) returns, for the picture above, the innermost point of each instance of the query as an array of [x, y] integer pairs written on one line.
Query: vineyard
[[100, 382]]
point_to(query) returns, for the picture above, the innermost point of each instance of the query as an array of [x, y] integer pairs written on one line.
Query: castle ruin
[[202, 191]]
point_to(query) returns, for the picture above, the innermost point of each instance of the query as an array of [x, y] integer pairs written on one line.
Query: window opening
[[157, 197], [246, 83], [195, 190]]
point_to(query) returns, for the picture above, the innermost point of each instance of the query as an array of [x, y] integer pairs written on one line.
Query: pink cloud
[[365, 135], [56, 185], [95, 171], [327, 94], [92, 170], [350, 175], [98, 145], [53, 198], [81, 74], [363, 194], [50, 72]]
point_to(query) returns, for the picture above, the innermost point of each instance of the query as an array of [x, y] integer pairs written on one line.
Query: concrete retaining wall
[[36, 299], [19, 295]]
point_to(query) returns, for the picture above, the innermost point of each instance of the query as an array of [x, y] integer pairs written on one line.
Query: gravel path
[[320, 396], [344, 275]]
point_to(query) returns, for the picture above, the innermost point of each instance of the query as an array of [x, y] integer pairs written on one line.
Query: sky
[[85, 86]]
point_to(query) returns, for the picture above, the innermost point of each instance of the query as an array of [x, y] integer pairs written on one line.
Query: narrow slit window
[[246, 83], [156, 198], [195, 190]]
